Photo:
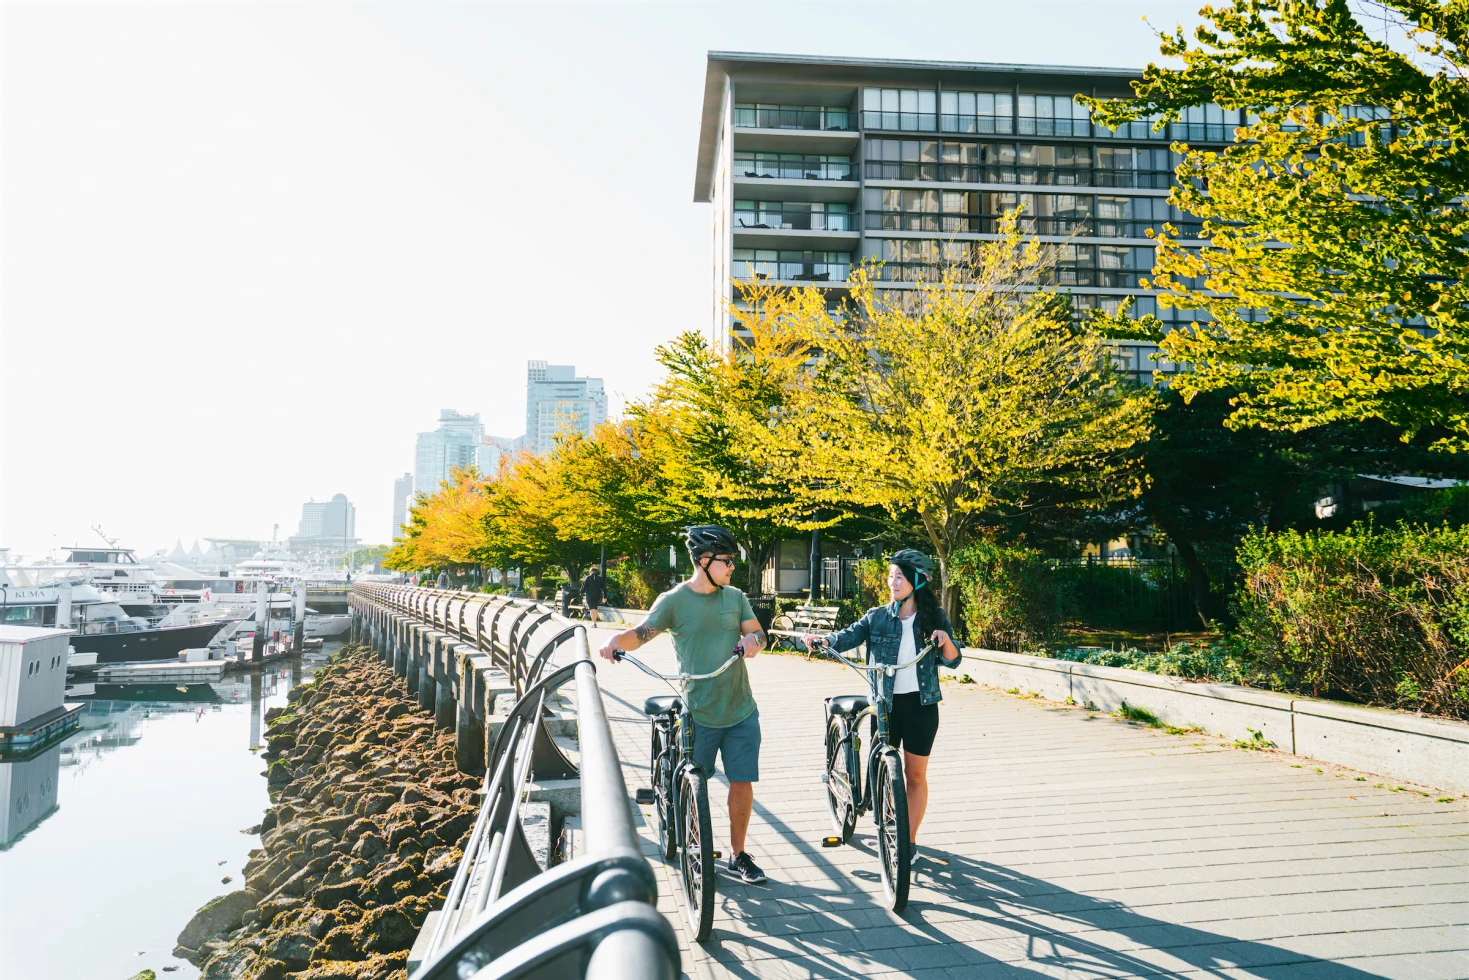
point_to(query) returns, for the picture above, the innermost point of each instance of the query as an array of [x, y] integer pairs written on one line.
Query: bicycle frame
[[861, 798]]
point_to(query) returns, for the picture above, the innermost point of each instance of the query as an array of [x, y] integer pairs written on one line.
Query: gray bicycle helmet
[[917, 561], [709, 539]]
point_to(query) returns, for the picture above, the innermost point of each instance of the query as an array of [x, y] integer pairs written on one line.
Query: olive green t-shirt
[[705, 629]]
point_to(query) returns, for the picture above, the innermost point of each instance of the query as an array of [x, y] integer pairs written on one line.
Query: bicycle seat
[[848, 704], [661, 705]]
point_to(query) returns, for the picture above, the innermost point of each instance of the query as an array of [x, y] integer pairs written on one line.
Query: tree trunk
[[1205, 604]]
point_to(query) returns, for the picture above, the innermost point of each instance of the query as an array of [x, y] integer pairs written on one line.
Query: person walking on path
[[591, 592], [443, 578], [707, 617], [894, 634]]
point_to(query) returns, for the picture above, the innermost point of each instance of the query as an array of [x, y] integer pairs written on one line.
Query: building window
[[1053, 115], [977, 112], [1127, 166], [792, 265], [815, 216], [792, 166], [754, 115], [1205, 123], [1112, 266], [1054, 164], [902, 109]]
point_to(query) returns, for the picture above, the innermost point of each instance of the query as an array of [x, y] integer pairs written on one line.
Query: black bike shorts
[[911, 725]]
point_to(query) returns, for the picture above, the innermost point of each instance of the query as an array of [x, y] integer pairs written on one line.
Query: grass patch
[[1361, 779], [1257, 742], [1186, 730], [965, 679], [1446, 799], [1129, 712], [1012, 690]]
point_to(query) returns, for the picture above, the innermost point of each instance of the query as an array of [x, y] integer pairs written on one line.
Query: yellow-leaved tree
[[958, 403]]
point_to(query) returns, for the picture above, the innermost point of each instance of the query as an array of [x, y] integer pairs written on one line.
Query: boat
[[103, 627]]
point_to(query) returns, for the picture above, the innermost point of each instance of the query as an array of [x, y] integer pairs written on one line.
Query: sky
[[248, 250]]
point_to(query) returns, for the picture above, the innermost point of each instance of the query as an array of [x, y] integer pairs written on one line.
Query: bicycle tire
[[843, 814], [660, 768], [696, 863], [890, 813]]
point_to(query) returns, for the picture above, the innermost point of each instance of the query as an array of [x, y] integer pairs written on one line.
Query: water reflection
[[28, 790], [145, 801]]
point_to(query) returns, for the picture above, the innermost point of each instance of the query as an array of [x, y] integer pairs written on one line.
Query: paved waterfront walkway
[[1078, 847]]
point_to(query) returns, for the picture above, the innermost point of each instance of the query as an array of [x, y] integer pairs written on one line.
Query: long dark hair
[[925, 601]]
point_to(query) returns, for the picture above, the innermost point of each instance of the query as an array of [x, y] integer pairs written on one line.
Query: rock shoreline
[[366, 830]]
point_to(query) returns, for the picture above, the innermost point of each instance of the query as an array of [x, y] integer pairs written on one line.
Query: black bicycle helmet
[[916, 560], [709, 539]]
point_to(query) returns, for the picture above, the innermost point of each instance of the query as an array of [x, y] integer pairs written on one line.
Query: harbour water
[[113, 838]]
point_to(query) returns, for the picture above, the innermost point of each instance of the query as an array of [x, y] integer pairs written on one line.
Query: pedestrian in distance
[[591, 592], [708, 617], [443, 578], [894, 634]]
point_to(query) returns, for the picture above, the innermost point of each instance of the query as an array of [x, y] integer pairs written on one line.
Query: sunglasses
[[728, 561]]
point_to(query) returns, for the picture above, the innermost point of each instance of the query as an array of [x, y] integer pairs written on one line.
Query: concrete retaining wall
[[1429, 751]]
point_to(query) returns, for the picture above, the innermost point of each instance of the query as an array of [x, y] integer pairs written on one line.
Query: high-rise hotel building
[[815, 165]]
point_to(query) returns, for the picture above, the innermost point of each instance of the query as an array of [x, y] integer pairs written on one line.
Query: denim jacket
[[882, 631]]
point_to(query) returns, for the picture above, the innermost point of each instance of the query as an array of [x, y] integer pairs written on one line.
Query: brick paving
[[1078, 847]]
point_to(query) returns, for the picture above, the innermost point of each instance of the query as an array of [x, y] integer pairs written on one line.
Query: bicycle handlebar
[[825, 645], [624, 655]]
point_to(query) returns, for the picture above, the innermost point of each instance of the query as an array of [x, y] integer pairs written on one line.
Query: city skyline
[[423, 299]]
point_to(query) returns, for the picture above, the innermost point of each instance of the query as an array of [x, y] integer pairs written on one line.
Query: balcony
[[808, 117], [803, 225], [1009, 173], [792, 266], [795, 129], [1057, 226], [791, 176]]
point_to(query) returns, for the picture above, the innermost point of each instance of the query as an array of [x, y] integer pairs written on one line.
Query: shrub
[[1379, 616], [1223, 662], [1010, 596], [635, 586]]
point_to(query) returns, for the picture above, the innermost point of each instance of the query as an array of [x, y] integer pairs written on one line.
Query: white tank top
[[906, 681]]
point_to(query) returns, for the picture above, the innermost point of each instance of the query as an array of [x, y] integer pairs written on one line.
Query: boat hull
[[146, 645]]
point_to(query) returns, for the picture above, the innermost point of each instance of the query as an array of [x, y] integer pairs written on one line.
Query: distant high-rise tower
[[330, 526], [402, 498], [449, 447], [557, 401]]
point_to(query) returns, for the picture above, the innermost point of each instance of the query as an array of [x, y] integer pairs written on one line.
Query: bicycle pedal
[[643, 796], [831, 842]]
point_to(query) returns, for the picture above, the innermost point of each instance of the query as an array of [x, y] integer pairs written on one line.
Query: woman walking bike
[[892, 634]]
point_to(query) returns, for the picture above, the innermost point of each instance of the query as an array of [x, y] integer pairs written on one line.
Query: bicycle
[[680, 792], [884, 792]]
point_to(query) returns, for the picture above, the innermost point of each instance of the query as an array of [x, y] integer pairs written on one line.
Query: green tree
[[1333, 272], [977, 401]]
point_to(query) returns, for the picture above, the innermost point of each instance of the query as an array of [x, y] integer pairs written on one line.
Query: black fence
[[1153, 595]]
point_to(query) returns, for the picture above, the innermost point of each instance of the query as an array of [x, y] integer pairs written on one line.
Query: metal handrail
[[504, 916]]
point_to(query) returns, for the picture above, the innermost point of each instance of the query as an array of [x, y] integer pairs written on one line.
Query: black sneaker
[[745, 869]]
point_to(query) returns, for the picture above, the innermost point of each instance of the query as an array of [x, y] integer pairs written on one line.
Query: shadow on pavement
[[984, 920]]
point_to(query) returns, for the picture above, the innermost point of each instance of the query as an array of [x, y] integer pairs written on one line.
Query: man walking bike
[[707, 617]]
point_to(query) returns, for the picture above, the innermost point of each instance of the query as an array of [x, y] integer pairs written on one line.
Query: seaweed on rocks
[[368, 823]]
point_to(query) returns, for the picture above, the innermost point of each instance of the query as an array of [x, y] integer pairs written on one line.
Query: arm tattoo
[[644, 632]]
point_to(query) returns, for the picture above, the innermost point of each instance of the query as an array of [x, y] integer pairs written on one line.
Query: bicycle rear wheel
[[841, 791], [697, 864], [661, 771], [890, 811]]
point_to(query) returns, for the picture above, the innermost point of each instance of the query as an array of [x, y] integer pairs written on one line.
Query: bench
[[792, 624]]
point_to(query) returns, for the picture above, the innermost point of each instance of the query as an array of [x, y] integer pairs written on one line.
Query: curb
[[1430, 751]]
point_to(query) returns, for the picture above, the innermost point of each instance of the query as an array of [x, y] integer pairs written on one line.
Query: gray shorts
[[738, 747]]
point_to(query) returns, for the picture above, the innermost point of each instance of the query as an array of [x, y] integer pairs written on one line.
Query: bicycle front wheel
[[697, 863], [890, 811]]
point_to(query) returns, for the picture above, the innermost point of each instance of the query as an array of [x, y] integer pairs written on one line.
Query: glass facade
[[937, 169]]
